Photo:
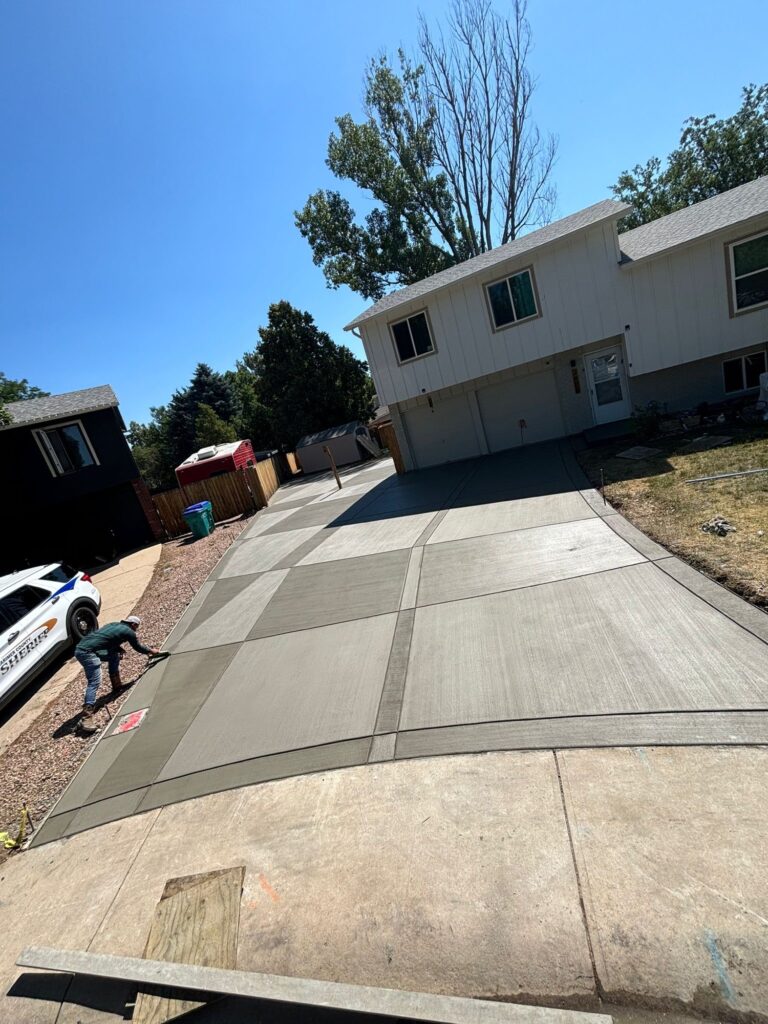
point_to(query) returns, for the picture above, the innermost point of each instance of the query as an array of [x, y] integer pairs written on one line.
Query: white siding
[[577, 281], [678, 307]]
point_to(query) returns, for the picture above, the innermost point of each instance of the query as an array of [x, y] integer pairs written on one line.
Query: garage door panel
[[533, 399], [443, 433]]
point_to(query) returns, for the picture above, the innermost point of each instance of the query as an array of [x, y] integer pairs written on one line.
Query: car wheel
[[82, 620]]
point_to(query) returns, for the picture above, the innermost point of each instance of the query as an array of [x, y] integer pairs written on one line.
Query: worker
[[104, 644]]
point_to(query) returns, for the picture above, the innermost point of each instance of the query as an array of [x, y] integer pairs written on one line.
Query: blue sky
[[154, 152]]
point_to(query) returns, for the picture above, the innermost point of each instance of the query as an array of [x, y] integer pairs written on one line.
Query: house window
[[66, 448], [412, 337], [512, 299], [749, 273], [743, 373]]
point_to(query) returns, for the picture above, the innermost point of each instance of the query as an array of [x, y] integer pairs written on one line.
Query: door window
[[17, 604], [606, 375]]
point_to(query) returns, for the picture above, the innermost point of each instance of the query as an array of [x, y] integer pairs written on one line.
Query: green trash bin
[[199, 518]]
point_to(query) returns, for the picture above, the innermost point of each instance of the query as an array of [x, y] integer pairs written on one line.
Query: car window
[[61, 574], [17, 604]]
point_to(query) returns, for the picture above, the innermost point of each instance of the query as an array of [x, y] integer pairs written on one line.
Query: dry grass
[[652, 493]]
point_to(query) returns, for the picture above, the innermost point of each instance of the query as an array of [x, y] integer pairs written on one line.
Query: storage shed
[[349, 443], [215, 460]]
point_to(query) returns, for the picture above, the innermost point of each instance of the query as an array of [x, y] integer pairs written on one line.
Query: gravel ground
[[39, 765]]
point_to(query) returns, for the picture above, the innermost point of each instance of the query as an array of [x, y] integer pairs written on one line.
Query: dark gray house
[[72, 490]]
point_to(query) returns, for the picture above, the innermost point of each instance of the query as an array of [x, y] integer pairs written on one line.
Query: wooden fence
[[230, 494]]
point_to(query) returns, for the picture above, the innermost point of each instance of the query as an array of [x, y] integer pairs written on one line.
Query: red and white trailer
[[215, 460]]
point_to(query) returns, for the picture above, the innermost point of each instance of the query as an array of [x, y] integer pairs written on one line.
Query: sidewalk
[[633, 876], [121, 586]]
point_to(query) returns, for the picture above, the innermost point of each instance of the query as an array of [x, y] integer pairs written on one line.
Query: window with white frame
[[749, 272], [412, 337], [743, 373], [513, 299], [66, 448]]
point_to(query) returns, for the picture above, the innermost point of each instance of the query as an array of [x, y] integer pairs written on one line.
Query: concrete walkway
[[493, 604], [121, 586]]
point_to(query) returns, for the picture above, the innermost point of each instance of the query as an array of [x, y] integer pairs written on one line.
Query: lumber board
[[384, 1002], [195, 922]]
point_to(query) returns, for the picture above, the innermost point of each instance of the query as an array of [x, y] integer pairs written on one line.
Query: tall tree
[[714, 155], [211, 429], [16, 391], [252, 421], [206, 388], [149, 444], [306, 381], [448, 151]]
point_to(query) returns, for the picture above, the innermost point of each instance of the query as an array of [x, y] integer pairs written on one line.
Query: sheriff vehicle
[[42, 611]]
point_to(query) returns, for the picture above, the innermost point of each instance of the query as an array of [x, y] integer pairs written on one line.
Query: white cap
[[133, 620]]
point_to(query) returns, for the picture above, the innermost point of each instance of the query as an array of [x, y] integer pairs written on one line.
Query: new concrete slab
[[228, 613], [370, 538], [318, 595], [261, 553], [449, 875], [525, 558], [290, 691], [672, 853], [313, 515], [561, 650], [504, 516]]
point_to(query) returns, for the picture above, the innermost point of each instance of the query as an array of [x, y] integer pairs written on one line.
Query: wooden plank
[[385, 1002], [389, 440], [195, 922]]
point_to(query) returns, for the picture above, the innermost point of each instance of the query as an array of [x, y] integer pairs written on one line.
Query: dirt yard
[[653, 494], [40, 763]]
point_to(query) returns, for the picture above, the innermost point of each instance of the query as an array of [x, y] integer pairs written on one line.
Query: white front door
[[608, 384]]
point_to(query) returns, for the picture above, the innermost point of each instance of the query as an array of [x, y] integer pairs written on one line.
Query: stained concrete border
[[703, 728]]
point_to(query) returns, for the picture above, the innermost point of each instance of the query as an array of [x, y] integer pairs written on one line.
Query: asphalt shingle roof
[[604, 210], [695, 222], [329, 434], [57, 407]]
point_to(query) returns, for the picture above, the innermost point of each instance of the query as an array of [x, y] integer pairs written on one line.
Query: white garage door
[[533, 399], [443, 433]]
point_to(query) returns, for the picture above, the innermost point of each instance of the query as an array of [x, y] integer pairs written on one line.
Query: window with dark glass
[[17, 604], [743, 373], [749, 265], [512, 299], [67, 448], [61, 574], [412, 337]]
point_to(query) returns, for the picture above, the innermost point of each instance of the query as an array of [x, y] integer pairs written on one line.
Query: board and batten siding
[[580, 293], [678, 306]]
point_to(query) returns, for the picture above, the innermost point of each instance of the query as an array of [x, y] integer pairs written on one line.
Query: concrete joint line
[[393, 690], [430, 528], [706, 600], [599, 991]]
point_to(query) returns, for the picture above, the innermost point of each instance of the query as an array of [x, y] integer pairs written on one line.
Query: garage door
[[533, 399], [443, 433]]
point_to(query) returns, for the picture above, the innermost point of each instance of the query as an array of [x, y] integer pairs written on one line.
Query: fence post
[[257, 491]]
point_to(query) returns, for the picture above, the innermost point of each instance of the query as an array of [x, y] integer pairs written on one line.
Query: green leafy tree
[[252, 421], [714, 155], [211, 429], [305, 380], [16, 391], [447, 152], [150, 450]]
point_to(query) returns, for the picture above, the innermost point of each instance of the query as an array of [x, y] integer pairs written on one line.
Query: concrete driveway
[[486, 605]]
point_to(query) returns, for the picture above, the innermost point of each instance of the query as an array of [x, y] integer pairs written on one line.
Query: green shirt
[[107, 640]]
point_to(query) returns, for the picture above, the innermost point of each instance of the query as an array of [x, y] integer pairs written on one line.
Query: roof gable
[[58, 407]]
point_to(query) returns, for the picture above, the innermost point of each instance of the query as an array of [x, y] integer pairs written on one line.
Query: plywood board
[[196, 922]]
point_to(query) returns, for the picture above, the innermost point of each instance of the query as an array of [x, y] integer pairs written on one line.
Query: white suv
[[42, 611]]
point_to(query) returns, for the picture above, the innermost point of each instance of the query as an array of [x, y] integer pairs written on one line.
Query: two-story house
[[72, 490], [575, 325]]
